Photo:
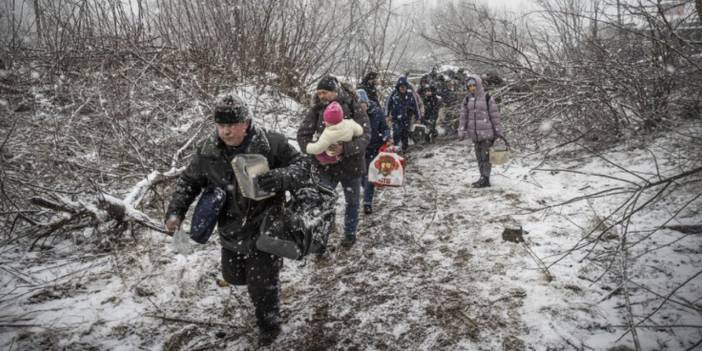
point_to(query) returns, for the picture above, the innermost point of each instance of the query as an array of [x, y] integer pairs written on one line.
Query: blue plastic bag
[[206, 214]]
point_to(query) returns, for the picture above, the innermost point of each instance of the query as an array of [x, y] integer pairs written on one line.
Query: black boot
[[267, 336], [483, 182], [367, 209], [348, 241]]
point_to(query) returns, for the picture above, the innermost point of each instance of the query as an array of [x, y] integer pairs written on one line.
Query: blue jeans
[[352, 195]]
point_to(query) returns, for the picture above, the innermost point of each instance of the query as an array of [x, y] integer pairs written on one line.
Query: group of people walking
[[342, 132]]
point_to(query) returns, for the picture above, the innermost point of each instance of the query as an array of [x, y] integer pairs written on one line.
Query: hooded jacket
[[240, 219], [432, 104], [398, 104], [380, 132], [352, 163], [479, 120]]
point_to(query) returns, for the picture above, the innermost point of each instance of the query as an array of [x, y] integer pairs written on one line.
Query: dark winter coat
[[479, 120], [369, 87], [432, 104], [398, 104], [379, 128], [352, 163], [240, 219], [449, 98]]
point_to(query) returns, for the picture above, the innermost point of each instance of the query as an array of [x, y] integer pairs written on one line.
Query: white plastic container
[[246, 168]]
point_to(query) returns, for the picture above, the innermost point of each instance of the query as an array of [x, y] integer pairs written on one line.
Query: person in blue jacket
[[380, 134], [401, 105]]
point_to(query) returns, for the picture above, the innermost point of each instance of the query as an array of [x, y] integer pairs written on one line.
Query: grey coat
[[479, 120]]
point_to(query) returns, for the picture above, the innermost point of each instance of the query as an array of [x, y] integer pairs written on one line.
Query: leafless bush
[[112, 96], [595, 74], [580, 70]]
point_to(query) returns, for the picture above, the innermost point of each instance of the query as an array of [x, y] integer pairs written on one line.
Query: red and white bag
[[387, 168]]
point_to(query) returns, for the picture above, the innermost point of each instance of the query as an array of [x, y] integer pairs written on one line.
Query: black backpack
[[487, 102]]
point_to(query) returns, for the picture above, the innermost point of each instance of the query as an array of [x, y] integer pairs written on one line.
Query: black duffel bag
[[299, 226]]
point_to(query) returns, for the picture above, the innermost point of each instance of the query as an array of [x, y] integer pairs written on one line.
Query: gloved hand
[[273, 181]]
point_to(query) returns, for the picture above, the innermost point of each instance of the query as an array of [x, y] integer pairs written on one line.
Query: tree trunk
[[37, 18]]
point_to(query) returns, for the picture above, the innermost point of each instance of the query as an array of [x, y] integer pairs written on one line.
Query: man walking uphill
[[350, 167], [240, 218], [402, 105]]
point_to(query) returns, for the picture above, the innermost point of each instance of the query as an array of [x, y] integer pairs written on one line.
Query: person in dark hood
[[380, 134], [424, 84], [434, 74], [462, 79], [240, 218], [351, 166], [369, 84], [401, 105], [432, 104], [480, 121]]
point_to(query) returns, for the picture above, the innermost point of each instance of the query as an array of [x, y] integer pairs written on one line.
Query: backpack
[[299, 226], [487, 104]]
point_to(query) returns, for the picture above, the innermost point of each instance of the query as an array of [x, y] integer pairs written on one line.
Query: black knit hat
[[328, 83], [231, 109]]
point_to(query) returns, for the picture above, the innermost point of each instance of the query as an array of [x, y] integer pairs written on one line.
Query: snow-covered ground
[[430, 271]]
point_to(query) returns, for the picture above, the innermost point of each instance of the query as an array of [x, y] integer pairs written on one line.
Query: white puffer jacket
[[334, 134]]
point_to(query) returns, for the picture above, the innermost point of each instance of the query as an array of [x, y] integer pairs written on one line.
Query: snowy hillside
[[430, 271], [590, 238]]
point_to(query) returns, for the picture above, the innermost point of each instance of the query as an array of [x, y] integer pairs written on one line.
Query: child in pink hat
[[337, 130]]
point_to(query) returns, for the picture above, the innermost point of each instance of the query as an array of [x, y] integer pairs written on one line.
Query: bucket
[[419, 133], [499, 154], [246, 168]]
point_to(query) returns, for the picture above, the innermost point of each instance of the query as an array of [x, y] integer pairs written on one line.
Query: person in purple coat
[[480, 120]]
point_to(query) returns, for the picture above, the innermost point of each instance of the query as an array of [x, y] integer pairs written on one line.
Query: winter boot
[[483, 182], [367, 209], [266, 337], [348, 241]]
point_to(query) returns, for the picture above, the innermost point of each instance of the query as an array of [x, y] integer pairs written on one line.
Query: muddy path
[[420, 275]]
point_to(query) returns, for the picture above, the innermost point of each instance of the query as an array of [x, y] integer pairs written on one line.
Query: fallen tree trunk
[[103, 208]]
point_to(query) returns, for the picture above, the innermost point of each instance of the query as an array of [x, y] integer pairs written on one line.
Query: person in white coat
[[337, 130]]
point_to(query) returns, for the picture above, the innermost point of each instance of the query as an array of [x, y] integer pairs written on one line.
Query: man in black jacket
[[349, 170], [240, 219], [368, 84]]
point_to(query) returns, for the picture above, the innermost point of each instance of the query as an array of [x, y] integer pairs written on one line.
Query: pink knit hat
[[333, 114]]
